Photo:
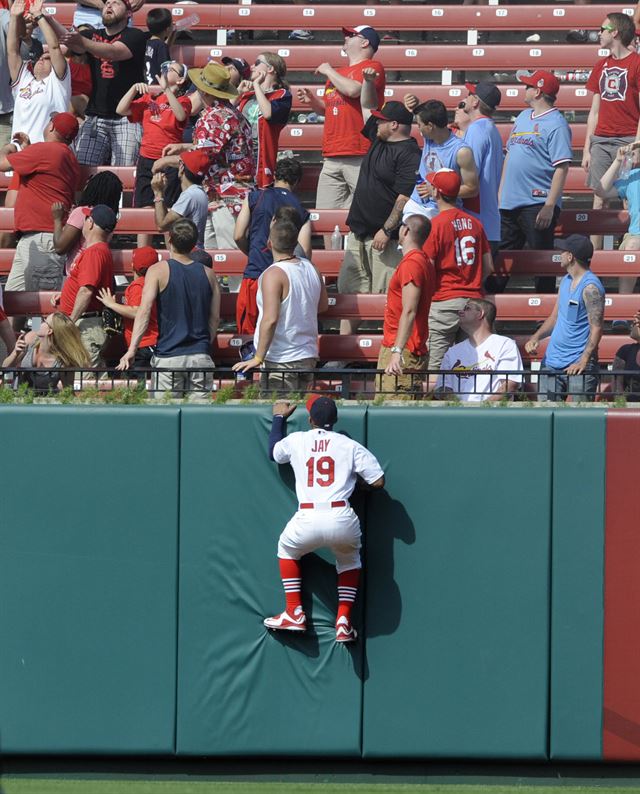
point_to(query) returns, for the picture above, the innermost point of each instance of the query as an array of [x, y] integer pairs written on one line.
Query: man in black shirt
[[386, 180], [116, 57]]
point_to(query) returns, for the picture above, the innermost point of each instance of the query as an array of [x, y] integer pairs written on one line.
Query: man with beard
[[116, 57]]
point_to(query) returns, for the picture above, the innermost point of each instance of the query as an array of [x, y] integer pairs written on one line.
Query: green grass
[[75, 786]]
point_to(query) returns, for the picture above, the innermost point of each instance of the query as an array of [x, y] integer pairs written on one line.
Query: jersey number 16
[[322, 469]]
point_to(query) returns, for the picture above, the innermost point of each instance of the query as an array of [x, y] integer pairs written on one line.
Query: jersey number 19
[[322, 470]]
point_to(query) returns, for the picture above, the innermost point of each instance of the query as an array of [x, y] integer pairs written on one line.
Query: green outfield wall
[[138, 559]]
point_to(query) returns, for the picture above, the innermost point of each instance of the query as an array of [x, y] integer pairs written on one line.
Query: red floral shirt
[[227, 134]]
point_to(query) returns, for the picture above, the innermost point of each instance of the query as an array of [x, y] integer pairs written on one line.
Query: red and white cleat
[[345, 631], [286, 622]]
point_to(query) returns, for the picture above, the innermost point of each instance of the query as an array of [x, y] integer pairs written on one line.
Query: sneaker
[[345, 631], [301, 35], [286, 622]]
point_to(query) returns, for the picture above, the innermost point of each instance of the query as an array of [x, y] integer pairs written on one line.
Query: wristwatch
[[388, 232], [396, 349], [38, 18]]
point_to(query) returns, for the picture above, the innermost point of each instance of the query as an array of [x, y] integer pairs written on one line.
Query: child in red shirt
[[141, 261], [164, 113]]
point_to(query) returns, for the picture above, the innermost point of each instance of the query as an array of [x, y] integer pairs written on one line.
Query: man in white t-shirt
[[40, 88], [326, 466], [478, 361], [291, 293]]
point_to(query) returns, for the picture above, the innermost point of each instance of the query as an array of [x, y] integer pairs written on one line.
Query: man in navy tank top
[[187, 297], [570, 365]]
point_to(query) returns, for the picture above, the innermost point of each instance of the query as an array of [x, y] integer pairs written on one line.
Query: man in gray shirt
[[193, 202], [6, 96]]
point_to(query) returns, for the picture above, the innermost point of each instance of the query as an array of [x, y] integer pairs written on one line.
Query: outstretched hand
[[283, 408]]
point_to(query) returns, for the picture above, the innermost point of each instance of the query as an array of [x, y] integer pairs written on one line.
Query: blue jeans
[[554, 387]]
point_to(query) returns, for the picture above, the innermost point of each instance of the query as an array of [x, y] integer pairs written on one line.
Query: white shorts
[[336, 528]]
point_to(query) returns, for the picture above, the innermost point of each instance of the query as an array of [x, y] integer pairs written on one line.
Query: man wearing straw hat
[[226, 135]]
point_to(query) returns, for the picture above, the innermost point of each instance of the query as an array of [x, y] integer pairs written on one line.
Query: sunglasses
[[168, 66], [606, 27], [259, 62], [462, 104]]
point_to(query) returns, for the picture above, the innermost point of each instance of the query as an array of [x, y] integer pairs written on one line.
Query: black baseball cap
[[323, 411], [102, 216], [244, 70], [488, 92], [200, 255], [393, 111], [579, 245]]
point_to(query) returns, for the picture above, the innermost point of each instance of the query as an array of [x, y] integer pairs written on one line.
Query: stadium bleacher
[[432, 69]]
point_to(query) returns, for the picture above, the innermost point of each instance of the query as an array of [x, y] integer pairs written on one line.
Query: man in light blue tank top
[[570, 365], [442, 149]]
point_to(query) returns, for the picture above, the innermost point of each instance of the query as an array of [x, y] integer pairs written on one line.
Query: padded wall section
[[88, 588], [621, 730], [577, 595], [457, 611], [241, 689]]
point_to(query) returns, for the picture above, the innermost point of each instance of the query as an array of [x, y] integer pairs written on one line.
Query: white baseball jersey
[[326, 464], [35, 101]]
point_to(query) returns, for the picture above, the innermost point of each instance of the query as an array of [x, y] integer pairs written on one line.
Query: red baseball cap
[[445, 180], [197, 161], [66, 125], [545, 81], [142, 258]]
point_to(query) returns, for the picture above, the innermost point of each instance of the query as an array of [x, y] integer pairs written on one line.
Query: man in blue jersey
[[570, 364], [535, 170], [484, 140], [442, 149]]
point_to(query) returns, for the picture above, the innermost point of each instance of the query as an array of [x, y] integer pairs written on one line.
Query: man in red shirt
[[343, 147], [614, 118], [49, 172], [90, 271], [406, 326], [459, 250]]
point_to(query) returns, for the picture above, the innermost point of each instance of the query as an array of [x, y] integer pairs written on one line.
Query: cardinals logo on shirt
[[613, 84]]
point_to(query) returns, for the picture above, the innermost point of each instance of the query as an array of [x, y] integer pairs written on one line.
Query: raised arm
[[16, 23], [58, 61]]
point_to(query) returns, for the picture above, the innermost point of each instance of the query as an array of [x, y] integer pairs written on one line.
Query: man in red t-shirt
[[343, 147], [49, 172], [459, 250], [90, 271], [614, 118], [406, 326]]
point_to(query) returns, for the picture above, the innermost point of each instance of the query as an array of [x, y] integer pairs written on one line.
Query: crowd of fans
[[426, 222]]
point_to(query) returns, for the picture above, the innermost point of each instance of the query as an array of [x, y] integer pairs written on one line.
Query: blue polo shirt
[[485, 142]]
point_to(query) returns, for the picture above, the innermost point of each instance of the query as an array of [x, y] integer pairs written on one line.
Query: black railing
[[221, 384]]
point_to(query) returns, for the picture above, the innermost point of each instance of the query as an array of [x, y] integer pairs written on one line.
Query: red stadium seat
[[414, 57], [314, 17]]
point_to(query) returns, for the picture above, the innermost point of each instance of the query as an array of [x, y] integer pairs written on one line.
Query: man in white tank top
[[326, 466], [291, 293]]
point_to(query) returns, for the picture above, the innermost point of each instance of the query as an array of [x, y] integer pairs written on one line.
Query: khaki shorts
[[218, 231], [603, 153], [337, 182], [284, 381], [195, 385], [93, 337], [630, 242], [400, 387], [444, 329], [36, 266], [365, 270]]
